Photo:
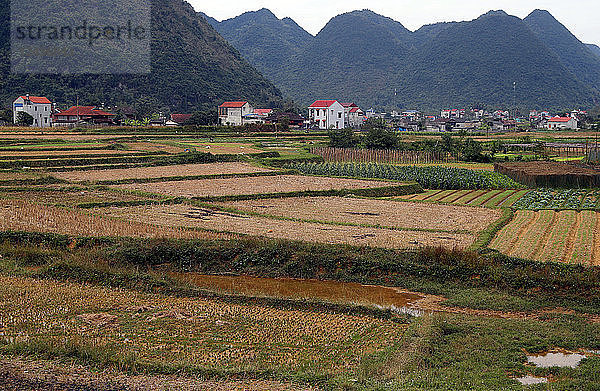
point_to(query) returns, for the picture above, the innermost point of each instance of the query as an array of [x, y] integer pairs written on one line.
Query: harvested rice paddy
[[374, 212], [190, 216], [195, 332], [160, 172], [23, 215], [254, 186]]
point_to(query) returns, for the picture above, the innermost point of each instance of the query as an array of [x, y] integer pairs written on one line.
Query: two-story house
[[232, 113], [327, 114], [39, 107]]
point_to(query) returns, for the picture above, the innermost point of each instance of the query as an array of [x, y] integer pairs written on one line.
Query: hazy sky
[[580, 16]]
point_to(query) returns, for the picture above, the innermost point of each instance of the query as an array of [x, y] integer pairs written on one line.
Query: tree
[[24, 119], [6, 116], [284, 123], [202, 118], [472, 151], [378, 138], [344, 138]]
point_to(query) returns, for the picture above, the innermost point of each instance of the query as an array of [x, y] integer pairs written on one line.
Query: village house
[[453, 113], [294, 120], [178, 120], [327, 114], [39, 107], [83, 114], [557, 123], [233, 113], [353, 115]]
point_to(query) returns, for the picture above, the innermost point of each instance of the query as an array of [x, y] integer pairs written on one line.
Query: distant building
[[453, 113], [82, 114], [233, 113], [327, 114], [557, 123], [39, 107], [353, 115], [294, 120], [179, 119]]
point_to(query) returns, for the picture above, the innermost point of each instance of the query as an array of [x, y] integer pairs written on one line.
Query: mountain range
[[192, 68], [496, 60]]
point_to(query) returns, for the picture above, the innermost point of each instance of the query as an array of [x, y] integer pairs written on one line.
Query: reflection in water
[[556, 359], [529, 380], [330, 291]]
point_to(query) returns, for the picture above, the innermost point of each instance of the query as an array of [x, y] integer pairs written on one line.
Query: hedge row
[[385, 191], [146, 161], [34, 158], [194, 177]]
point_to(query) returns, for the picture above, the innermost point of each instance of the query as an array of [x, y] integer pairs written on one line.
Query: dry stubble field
[[253, 185], [189, 216], [160, 172], [23, 215], [374, 212]]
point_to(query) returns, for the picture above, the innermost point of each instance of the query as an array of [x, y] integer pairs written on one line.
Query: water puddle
[[329, 291], [561, 359], [531, 380]]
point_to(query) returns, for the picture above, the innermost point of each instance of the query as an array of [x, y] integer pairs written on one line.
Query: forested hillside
[[192, 68]]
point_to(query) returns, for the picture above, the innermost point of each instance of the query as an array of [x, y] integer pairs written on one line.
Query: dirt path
[[19, 374], [435, 304]]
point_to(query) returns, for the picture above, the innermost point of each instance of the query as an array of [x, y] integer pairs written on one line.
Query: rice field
[[221, 187], [223, 148], [482, 198], [24, 215], [11, 154], [58, 196], [374, 213], [551, 236], [193, 332], [190, 216], [160, 172]]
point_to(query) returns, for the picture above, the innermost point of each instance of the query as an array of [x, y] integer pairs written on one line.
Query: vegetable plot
[[437, 177]]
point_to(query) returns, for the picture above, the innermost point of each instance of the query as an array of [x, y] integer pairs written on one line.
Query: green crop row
[[437, 177]]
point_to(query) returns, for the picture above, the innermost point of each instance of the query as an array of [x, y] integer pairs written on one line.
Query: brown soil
[[375, 212], [253, 185], [159, 172], [550, 174]]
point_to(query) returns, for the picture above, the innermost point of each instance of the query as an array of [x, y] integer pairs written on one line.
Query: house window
[[46, 120], [35, 108], [337, 124], [340, 115]]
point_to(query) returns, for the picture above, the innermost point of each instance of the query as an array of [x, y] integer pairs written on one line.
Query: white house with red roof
[[81, 114], [327, 114], [232, 113], [557, 123], [39, 107]]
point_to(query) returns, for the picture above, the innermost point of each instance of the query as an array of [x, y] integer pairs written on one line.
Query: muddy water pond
[[329, 291]]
